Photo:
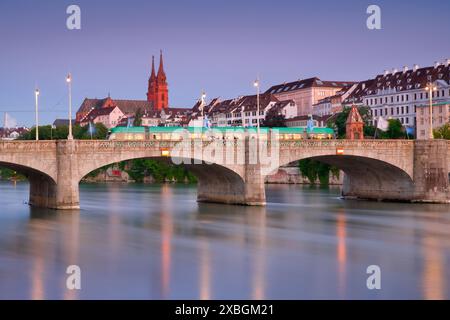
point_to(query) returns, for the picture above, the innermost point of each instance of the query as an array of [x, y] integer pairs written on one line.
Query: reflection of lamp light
[[339, 151], [165, 153]]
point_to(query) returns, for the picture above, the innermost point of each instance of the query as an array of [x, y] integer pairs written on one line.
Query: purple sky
[[216, 45]]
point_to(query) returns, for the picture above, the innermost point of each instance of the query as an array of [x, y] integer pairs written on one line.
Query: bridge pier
[[42, 191], [431, 171], [67, 189]]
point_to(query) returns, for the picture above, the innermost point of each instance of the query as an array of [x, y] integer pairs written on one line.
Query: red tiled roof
[[98, 112]]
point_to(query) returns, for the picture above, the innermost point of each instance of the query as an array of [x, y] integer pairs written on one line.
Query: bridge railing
[[27, 145]]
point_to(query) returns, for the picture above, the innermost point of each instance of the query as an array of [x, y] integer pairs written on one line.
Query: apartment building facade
[[400, 94]]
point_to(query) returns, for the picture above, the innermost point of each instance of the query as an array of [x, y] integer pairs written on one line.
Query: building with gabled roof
[[109, 116], [307, 92]]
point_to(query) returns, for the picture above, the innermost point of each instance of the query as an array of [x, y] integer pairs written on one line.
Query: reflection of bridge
[[375, 169]]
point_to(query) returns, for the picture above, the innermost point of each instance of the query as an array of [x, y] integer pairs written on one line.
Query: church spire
[[161, 73], [153, 76]]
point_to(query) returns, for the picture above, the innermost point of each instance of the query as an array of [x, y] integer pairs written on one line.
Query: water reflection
[[434, 270], [341, 234], [258, 218], [205, 270], [166, 238], [157, 242]]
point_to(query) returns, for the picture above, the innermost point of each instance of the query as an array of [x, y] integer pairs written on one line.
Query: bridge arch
[[42, 185], [367, 177], [216, 182]]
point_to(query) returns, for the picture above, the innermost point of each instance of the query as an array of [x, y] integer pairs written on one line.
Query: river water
[[156, 242]]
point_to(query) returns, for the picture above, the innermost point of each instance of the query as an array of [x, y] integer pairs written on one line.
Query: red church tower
[[158, 91]]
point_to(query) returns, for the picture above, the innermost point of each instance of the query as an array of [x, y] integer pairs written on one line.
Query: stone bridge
[[397, 170]]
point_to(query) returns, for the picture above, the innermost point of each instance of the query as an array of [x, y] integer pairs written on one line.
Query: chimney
[[405, 69], [436, 64], [386, 72], [394, 71], [363, 86], [416, 67]]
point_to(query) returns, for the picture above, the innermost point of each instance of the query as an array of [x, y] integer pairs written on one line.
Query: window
[[407, 120], [407, 109], [403, 110]]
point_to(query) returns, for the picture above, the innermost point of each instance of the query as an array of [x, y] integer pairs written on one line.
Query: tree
[[442, 132], [272, 121], [395, 130], [138, 118], [314, 170], [61, 133]]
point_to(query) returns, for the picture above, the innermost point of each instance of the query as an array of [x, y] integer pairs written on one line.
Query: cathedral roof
[[126, 106]]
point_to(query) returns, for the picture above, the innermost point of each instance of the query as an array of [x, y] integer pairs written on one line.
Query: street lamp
[[256, 85], [69, 83], [36, 95], [430, 88]]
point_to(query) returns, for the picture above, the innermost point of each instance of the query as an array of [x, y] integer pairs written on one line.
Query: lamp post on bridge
[[431, 88], [69, 83], [36, 95], [256, 85]]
